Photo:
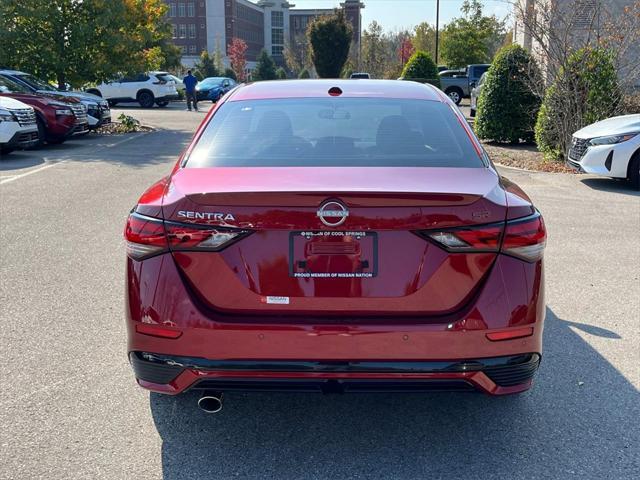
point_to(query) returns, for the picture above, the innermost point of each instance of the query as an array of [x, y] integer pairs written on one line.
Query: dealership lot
[[72, 410]]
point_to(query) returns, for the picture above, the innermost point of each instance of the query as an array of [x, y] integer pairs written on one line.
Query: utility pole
[[437, 27]]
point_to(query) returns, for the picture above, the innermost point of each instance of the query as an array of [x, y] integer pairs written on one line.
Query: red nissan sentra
[[334, 236]]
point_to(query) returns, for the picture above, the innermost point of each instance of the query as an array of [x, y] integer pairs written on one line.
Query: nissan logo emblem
[[333, 213]]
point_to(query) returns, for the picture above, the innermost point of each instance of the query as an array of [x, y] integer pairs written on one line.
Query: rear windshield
[[317, 132]]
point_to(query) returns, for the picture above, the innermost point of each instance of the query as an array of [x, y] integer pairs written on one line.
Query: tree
[[217, 58], [507, 108], [281, 74], [230, 74], [329, 41], [406, 50], [424, 38], [237, 56], [296, 54], [373, 56], [421, 68], [265, 67], [55, 39], [472, 38], [205, 67], [304, 74], [585, 91]]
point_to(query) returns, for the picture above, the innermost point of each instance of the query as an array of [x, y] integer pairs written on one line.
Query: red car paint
[[56, 128], [430, 313]]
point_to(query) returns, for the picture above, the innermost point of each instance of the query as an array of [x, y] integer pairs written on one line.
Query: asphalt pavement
[[70, 408]]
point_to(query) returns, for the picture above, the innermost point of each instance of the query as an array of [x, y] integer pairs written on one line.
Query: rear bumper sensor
[[365, 376]]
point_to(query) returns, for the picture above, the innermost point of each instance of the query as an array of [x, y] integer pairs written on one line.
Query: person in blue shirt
[[190, 83]]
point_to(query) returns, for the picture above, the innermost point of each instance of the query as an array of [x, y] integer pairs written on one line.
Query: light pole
[[437, 27]]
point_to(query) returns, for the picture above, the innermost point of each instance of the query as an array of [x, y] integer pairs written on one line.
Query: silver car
[[475, 93]]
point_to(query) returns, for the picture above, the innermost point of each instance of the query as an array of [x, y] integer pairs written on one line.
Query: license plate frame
[[367, 246]]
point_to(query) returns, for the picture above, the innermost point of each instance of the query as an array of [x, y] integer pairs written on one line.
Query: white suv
[[146, 89], [18, 128]]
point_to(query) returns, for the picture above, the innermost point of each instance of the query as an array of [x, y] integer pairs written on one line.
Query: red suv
[[334, 236], [58, 118]]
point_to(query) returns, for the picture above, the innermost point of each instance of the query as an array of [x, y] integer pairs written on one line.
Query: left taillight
[[147, 236]]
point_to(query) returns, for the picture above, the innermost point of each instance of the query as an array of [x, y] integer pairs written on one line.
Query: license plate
[[333, 254]]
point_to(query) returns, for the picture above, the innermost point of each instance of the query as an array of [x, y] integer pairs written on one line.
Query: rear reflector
[[510, 334], [157, 330], [524, 238], [148, 236]]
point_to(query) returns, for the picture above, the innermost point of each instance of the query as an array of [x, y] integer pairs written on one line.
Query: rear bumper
[[495, 376], [511, 299]]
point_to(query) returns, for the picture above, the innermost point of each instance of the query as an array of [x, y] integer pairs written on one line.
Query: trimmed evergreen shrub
[[585, 91], [304, 74], [281, 74], [229, 73], [421, 68], [265, 67], [507, 107]]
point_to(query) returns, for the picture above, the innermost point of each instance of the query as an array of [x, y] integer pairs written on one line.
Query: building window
[[192, 30], [277, 19], [172, 9], [174, 31], [181, 10], [277, 50], [192, 49], [277, 36], [202, 25], [183, 49], [182, 30], [191, 9]]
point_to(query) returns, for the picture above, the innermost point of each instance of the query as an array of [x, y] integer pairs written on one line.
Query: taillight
[[485, 238], [148, 236], [523, 238], [145, 236], [183, 236]]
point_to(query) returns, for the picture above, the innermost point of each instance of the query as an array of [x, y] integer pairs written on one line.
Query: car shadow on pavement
[[19, 160], [613, 185], [579, 419]]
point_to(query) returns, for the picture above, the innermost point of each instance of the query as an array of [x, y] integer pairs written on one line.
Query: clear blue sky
[[405, 14]]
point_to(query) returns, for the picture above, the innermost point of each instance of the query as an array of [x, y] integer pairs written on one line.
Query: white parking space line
[[11, 178]]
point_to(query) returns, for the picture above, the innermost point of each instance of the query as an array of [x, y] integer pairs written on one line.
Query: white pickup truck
[[18, 128]]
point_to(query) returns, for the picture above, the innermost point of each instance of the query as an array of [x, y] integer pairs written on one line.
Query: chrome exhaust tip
[[210, 402]]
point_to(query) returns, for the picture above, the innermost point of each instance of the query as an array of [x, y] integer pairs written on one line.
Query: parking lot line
[[11, 178]]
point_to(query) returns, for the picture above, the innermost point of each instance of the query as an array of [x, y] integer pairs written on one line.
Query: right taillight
[[147, 237], [525, 238]]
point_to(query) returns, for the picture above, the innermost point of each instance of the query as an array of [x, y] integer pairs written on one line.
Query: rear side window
[[316, 132]]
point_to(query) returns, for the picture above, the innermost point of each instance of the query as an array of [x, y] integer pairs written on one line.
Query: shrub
[[265, 67], [421, 68], [304, 74], [281, 74], [585, 91], [507, 107], [329, 40]]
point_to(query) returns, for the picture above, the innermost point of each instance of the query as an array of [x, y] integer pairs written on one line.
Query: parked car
[[18, 128], [57, 118], [178, 81], [360, 75], [610, 147], [146, 89], [334, 236], [475, 94], [98, 112], [213, 88], [458, 83]]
